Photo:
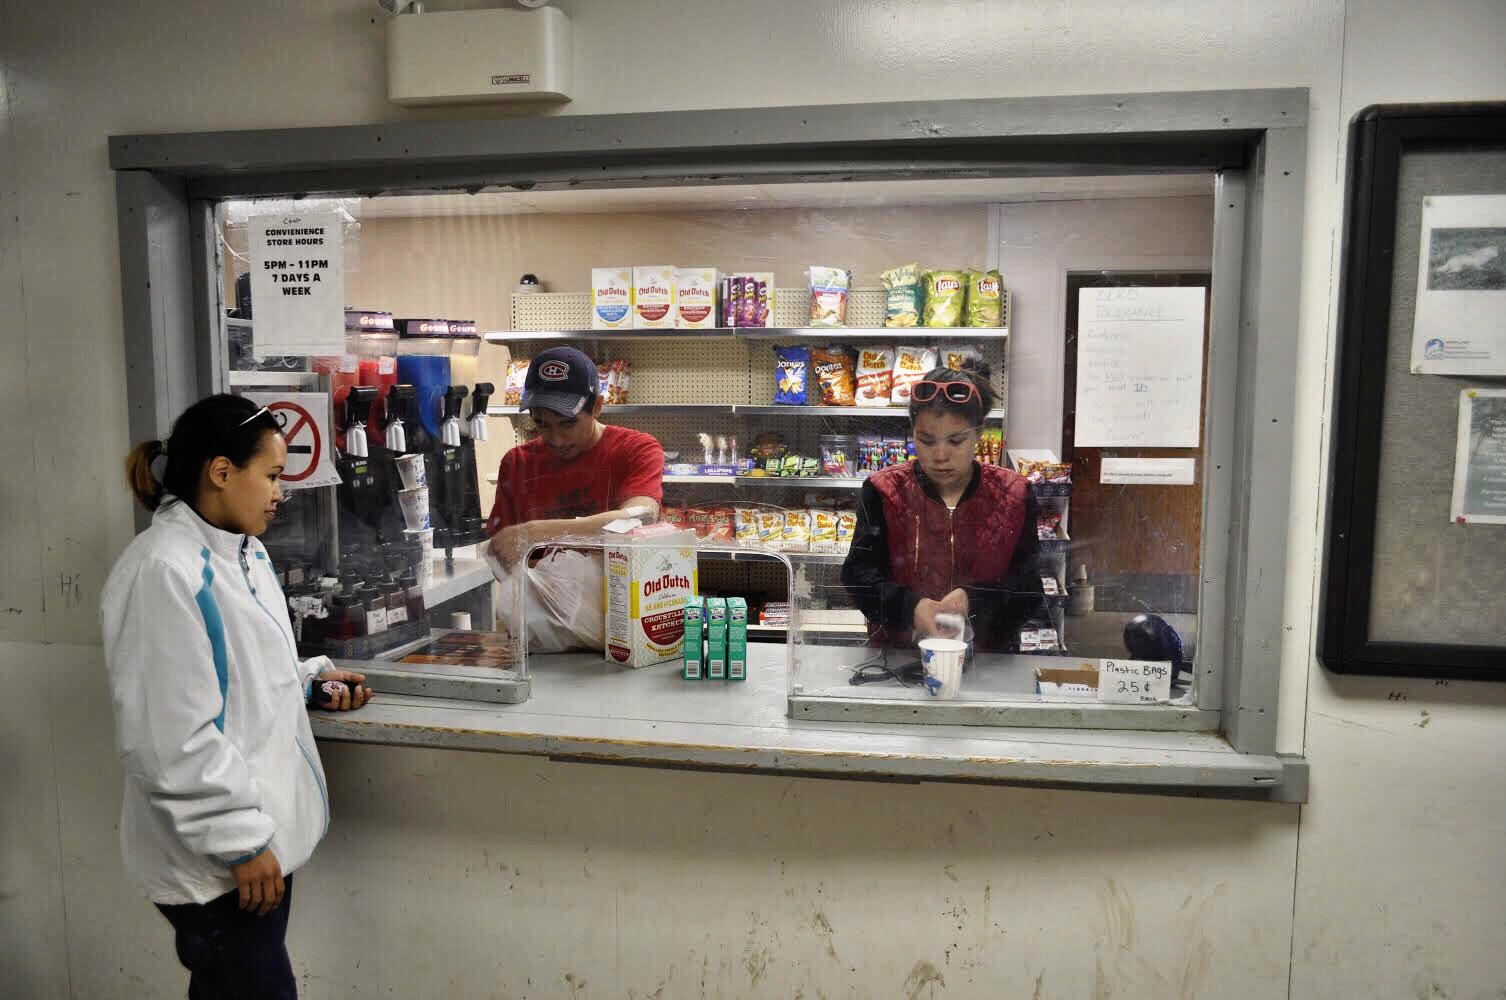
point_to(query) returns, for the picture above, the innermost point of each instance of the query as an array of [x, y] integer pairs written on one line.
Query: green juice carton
[[737, 639], [695, 628], [716, 639]]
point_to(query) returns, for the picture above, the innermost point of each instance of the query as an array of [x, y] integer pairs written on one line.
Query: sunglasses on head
[[962, 391]]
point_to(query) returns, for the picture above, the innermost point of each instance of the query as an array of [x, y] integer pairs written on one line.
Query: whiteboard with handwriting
[[1139, 367]]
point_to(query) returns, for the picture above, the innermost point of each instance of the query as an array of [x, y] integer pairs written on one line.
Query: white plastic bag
[[564, 594]]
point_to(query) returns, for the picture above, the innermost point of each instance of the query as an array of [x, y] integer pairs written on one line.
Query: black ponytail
[[222, 425]]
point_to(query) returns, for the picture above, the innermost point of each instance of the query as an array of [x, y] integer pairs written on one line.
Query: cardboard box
[[611, 298], [695, 639], [737, 639], [1076, 683], [695, 298], [654, 297], [716, 639], [647, 588]]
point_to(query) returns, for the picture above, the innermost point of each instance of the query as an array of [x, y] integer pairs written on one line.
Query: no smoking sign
[[304, 420]]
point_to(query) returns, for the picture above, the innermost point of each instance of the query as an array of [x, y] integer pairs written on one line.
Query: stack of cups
[[413, 499]]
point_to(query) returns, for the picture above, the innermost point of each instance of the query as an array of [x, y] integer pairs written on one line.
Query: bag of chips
[[771, 528], [875, 376], [834, 368], [902, 296], [512, 385], [797, 531], [985, 298], [791, 374], [960, 359], [745, 525], [910, 366], [823, 531], [847, 527], [618, 376], [945, 294], [829, 287]]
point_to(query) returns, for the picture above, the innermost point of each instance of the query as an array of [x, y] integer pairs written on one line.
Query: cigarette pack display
[[716, 639], [654, 297], [695, 639], [611, 298], [737, 639], [695, 298]]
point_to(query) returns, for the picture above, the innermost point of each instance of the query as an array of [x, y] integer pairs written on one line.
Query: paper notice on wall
[[1480, 461], [305, 423], [1459, 325], [1148, 471], [297, 284], [1134, 682], [1139, 367]]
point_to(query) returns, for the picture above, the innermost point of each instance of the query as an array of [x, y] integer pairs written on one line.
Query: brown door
[[1141, 544]]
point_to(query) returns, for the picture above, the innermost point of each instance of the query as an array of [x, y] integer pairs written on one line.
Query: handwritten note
[[1139, 367], [1134, 682]]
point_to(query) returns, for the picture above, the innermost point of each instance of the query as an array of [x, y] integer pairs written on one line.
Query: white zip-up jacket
[[210, 717]]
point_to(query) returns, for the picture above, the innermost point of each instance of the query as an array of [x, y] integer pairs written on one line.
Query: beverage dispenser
[[423, 361], [372, 338]]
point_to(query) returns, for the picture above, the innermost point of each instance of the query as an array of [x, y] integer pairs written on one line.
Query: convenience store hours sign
[[297, 284]]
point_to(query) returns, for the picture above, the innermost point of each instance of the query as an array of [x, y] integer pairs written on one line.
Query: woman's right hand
[[925, 617], [260, 883]]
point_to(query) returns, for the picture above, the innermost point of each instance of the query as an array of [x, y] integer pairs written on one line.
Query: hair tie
[[158, 465]]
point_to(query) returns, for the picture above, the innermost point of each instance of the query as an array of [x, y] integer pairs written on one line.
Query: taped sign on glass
[[297, 284], [305, 423], [1134, 682]]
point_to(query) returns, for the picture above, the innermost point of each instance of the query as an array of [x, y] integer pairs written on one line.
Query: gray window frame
[[1254, 141]]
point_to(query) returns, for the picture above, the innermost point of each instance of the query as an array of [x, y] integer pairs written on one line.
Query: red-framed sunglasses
[[959, 392]]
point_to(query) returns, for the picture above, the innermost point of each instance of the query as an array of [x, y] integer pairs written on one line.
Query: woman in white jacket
[[224, 794]]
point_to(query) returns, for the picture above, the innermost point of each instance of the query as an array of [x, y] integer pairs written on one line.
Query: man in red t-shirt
[[579, 474]]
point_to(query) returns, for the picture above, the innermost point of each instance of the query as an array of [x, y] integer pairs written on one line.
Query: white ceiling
[[849, 194]]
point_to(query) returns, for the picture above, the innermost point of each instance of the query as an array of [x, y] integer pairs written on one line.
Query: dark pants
[[231, 953]]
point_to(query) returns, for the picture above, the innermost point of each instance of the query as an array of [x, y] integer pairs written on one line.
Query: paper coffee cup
[[460, 621], [426, 574], [941, 660], [412, 470], [415, 506]]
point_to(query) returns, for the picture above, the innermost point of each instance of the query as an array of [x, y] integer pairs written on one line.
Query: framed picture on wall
[[1412, 584]]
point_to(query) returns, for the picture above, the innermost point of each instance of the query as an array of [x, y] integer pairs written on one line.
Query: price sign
[[1134, 682]]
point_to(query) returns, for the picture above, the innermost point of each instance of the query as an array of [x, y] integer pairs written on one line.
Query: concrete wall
[[454, 875]]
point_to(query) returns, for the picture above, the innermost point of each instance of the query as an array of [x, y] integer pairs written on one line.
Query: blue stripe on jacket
[[215, 626]]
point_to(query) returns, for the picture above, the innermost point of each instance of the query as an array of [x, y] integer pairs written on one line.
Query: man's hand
[[354, 695], [260, 883], [925, 617], [511, 544]]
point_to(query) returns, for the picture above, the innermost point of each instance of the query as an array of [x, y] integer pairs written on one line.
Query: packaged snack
[[960, 359], [603, 376], [824, 531], [695, 298], [675, 516], [747, 307], [870, 454], [875, 376], [611, 298], [985, 299], [745, 525], [646, 591], [720, 525], [894, 451], [619, 376], [512, 385], [834, 369], [910, 366], [829, 287], [771, 528], [769, 445], [791, 374], [654, 297], [944, 298], [763, 311], [732, 296], [1048, 525], [791, 465], [837, 457], [1049, 586], [847, 527], [774, 467], [991, 445], [797, 531], [902, 296]]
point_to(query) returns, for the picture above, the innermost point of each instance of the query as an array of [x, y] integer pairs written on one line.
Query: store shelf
[[628, 408], [812, 558], [273, 379], [741, 409], [823, 333], [806, 482], [706, 480]]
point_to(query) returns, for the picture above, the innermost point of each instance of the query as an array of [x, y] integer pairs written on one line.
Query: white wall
[[626, 880]]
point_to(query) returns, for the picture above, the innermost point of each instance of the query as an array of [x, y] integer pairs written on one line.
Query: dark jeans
[[232, 954]]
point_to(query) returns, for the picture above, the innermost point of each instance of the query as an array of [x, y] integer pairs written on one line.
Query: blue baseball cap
[[561, 379]]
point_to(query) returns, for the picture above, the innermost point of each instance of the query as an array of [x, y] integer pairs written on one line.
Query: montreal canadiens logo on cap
[[554, 371]]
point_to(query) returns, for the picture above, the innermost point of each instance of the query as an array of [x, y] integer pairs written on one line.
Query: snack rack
[[722, 381]]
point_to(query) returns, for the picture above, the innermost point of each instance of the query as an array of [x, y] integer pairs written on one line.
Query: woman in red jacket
[[945, 534]]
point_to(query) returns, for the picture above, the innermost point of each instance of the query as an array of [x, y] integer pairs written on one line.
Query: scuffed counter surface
[[583, 708]]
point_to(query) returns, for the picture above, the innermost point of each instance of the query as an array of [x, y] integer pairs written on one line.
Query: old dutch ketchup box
[[649, 577]]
